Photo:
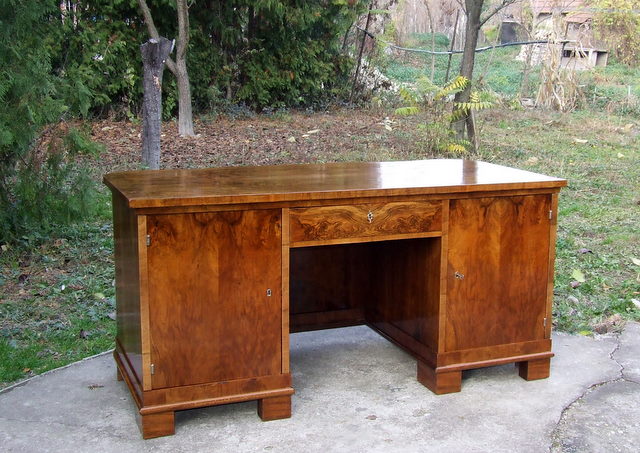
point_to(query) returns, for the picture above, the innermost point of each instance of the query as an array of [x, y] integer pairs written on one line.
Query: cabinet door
[[214, 296], [497, 271]]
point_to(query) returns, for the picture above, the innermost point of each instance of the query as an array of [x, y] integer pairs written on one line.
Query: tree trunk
[[179, 67], [472, 30], [185, 114], [154, 54], [433, 41]]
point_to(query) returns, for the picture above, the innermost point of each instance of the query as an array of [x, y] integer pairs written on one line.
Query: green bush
[[48, 190], [40, 186], [261, 53]]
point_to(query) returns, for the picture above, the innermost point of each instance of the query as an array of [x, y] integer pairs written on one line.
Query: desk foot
[[157, 425], [274, 408], [534, 369], [439, 383]]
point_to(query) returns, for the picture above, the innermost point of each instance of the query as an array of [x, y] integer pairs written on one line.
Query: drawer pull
[[370, 217]]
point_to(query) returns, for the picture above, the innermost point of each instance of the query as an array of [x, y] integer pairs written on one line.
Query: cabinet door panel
[[211, 318], [497, 271]]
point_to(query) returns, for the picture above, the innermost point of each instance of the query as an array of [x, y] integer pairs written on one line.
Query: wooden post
[[154, 53]]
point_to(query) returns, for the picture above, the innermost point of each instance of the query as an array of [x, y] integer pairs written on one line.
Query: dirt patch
[[263, 140]]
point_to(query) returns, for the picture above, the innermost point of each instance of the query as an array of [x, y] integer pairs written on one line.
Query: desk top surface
[[280, 183]]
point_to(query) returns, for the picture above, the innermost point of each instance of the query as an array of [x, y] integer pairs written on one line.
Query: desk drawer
[[329, 223]]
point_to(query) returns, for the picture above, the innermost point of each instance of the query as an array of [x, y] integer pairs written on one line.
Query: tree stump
[[154, 54]]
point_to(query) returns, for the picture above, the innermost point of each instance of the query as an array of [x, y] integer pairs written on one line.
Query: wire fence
[[454, 52]]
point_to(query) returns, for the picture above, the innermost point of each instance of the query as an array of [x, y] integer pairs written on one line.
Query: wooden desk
[[452, 260]]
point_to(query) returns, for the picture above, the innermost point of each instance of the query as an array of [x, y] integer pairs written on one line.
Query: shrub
[[48, 190]]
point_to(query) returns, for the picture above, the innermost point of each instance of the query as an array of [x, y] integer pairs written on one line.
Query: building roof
[[574, 10]]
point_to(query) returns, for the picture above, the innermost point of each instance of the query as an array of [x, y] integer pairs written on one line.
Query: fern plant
[[436, 104], [462, 109]]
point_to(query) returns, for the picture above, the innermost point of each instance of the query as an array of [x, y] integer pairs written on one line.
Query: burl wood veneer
[[452, 260]]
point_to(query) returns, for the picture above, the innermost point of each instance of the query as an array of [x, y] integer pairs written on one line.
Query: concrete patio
[[355, 392]]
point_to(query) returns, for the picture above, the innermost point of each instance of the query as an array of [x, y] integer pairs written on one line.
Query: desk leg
[[157, 425], [274, 408], [534, 369], [439, 383]]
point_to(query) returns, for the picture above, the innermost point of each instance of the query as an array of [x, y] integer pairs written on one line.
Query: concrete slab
[[605, 420], [355, 392], [628, 354], [607, 417]]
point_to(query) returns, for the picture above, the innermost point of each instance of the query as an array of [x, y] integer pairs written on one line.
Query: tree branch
[[503, 4], [153, 32], [183, 28]]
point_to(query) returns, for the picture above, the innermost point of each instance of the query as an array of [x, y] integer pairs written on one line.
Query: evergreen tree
[[36, 191], [28, 91]]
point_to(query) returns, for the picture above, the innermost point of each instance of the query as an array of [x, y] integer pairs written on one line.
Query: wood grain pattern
[[468, 357], [405, 288], [455, 265], [286, 328], [364, 220], [211, 318], [497, 271], [439, 383], [128, 375], [308, 203], [444, 251], [274, 408], [551, 266], [535, 369], [236, 185], [128, 317], [157, 425], [330, 319], [213, 393], [143, 270], [328, 279]]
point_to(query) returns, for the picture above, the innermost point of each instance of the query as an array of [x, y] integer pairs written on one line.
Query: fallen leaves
[[578, 275], [614, 323]]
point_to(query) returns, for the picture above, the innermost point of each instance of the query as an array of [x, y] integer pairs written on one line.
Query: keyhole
[[269, 292], [370, 217]]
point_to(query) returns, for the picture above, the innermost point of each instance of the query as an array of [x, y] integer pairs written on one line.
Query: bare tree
[[475, 21], [154, 54], [179, 66], [433, 40]]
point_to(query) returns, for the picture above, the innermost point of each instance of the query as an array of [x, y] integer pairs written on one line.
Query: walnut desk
[[452, 260]]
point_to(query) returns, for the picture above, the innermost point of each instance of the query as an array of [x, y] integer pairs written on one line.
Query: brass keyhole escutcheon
[[370, 217], [458, 275]]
